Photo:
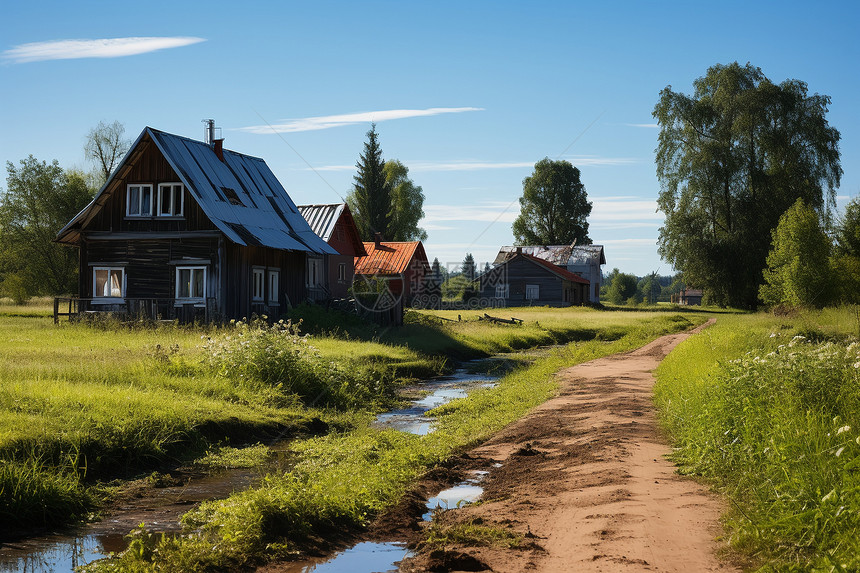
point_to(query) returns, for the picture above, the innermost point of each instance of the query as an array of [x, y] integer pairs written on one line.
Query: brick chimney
[[377, 240], [219, 149]]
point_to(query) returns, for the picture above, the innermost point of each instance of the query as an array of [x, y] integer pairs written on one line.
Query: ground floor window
[[258, 284], [274, 277], [190, 284], [341, 272], [532, 292], [502, 291], [108, 282]]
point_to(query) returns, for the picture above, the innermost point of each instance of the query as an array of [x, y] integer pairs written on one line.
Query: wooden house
[[524, 279], [183, 225], [688, 297], [403, 266], [331, 276], [582, 260]]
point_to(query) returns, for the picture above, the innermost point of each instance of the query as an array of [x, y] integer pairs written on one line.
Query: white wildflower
[[843, 429], [839, 451]]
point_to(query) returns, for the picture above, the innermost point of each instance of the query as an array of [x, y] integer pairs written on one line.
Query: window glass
[[146, 201], [107, 282], [273, 286], [341, 272], [177, 200], [184, 284], [134, 200], [198, 283], [532, 292], [257, 284], [191, 283]]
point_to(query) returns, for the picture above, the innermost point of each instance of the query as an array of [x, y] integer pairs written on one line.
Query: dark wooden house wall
[[519, 272], [240, 261], [151, 168]]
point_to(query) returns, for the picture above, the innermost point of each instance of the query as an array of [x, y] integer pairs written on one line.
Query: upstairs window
[[139, 201], [108, 282], [171, 200], [190, 284]]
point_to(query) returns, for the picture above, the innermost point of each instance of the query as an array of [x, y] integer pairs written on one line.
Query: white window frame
[[258, 284], [109, 298], [314, 272], [341, 272], [532, 290], [503, 290], [140, 189], [171, 188], [273, 286], [192, 269]]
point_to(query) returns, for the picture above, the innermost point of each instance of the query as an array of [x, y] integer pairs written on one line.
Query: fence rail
[[76, 308]]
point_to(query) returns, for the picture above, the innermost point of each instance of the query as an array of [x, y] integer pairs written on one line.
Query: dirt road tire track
[[585, 478]]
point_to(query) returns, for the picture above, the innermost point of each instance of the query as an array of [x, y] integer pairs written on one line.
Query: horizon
[[469, 104]]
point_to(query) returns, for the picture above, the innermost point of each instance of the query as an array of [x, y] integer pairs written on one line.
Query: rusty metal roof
[[562, 255], [241, 195], [390, 258], [557, 270]]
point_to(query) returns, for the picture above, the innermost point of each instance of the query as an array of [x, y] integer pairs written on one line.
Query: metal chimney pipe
[[209, 131]]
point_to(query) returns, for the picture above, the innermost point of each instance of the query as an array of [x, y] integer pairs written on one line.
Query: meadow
[[81, 405], [767, 409]]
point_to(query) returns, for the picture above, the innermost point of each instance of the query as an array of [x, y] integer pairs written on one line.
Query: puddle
[[366, 557], [442, 390], [160, 509], [463, 493], [58, 553]]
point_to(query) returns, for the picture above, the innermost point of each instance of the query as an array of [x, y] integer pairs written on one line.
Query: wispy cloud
[[329, 121], [617, 209], [487, 212], [100, 48], [643, 125], [429, 166]]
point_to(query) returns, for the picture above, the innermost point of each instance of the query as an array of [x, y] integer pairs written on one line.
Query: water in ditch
[[61, 553]]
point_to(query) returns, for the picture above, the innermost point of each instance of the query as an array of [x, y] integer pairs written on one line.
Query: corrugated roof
[[557, 254], [557, 270], [322, 218], [390, 258], [266, 216]]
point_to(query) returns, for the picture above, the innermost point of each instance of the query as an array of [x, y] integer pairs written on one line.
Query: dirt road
[[585, 478]]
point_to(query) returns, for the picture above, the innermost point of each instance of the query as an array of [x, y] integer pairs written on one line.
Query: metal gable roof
[[562, 255], [389, 257], [266, 216], [322, 218]]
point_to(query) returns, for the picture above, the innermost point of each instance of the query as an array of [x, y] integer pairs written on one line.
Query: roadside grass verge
[[342, 480], [768, 409]]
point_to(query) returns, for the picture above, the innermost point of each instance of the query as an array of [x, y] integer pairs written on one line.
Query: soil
[[584, 479]]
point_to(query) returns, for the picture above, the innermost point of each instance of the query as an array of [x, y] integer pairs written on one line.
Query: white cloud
[[643, 125], [329, 121], [100, 48], [429, 166], [616, 209], [594, 160], [628, 242], [435, 227], [489, 211]]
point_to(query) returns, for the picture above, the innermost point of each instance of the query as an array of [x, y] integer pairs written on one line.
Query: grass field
[[768, 409], [83, 404], [344, 478]]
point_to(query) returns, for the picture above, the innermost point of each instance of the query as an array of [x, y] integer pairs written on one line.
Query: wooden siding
[[237, 288], [519, 272], [150, 168]]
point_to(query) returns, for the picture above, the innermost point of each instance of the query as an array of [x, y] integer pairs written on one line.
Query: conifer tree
[[370, 198]]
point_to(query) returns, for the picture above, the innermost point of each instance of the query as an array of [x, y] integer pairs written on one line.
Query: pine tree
[[370, 199]]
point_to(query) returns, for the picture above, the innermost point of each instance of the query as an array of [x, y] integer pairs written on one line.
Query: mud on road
[[585, 480]]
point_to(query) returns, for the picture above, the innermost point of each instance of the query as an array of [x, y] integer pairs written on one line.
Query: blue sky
[[468, 95]]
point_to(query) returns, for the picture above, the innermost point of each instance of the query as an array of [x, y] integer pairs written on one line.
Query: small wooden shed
[[331, 276], [523, 279]]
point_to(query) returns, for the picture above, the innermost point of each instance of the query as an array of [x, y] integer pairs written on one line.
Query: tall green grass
[[342, 480], [768, 408]]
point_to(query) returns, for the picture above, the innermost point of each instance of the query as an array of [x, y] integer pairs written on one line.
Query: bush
[[279, 357]]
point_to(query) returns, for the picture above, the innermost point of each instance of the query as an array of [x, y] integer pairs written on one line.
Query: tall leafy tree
[[40, 199], [407, 201], [554, 207], [731, 159], [798, 269], [848, 229], [370, 198], [106, 145]]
